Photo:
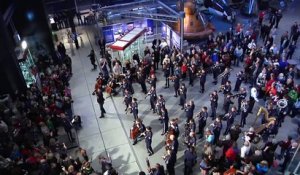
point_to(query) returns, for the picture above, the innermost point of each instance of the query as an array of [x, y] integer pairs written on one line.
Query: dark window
[[191, 23]]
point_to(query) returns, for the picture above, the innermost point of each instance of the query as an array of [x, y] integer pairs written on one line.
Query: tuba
[[282, 103], [266, 115]]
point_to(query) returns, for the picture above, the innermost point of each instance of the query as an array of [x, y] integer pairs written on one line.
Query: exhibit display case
[[131, 43], [26, 64]]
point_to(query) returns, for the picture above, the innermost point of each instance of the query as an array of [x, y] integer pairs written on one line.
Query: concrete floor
[[110, 135]]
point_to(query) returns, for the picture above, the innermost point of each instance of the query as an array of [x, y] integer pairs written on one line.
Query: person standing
[[217, 127], [165, 120], [153, 97], [241, 96], [100, 100], [230, 119], [102, 45], [68, 128], [202, 117], [166, 70], [142, 79], [214, 104], [182, 95], [148, 140], [189, 110], [170, 159], [134, 108], [191, 72], [190, 159], [93, 59], [278, 16], [252, 99], [127, 99], [202, 80], [244, 112], [239, 80], [176, 85], [160, 103], [152, 80]]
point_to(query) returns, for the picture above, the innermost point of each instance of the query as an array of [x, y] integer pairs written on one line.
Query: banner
[[108, 34]]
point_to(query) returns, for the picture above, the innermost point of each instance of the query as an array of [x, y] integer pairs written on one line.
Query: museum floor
[[110, 135]]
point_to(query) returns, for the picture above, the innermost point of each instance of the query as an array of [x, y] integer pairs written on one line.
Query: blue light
[[30, 15]]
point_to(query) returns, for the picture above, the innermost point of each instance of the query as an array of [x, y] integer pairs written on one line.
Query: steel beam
[[167, 8], [148, 16]]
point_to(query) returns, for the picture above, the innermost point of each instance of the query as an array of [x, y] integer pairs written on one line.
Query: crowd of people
[[265, 70], [30, 120]]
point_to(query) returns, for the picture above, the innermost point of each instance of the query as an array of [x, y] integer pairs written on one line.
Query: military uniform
[[202, 117], [230, 121], [148, 141], [100, 100], [152, 94], [214, 105]]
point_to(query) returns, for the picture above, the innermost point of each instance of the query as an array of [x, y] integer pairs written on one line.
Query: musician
[[174, 144], [271, 129], [217, 127], [164, 119], [174, 127], [202, 80], [244, 112], [252, 99], [227, 103], [225, 76], [192, 73], [152, 80], [134, 108], [170, 160], [153, 97], [213, 103], [230, 119], [139, 128], [202, 117], [182, 94], [189, 110], [127, 99], [176, 85], [110, 87], [190, 159], [241, 96], [99, 83], [190, 125], [141, 77], [282, 112], [100, 100], [216, 69], [239, 79], [148, 140], [227, 88], [158, 170], [160, 103], [125, 85], [190, 141], [166, 70]]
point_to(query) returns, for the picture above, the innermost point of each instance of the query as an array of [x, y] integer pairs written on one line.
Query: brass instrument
[[259, 129], [282, 103], [225, 73], [172, 78], [221, 88], [266, 115]]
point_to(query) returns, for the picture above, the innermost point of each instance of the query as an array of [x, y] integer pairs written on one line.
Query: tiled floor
[[110, 135]]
